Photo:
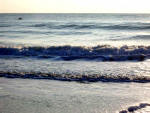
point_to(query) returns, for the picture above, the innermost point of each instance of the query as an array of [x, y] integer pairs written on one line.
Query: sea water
[[74, 29], [76, 47]]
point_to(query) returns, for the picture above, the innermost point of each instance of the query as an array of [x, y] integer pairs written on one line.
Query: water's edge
[[78, 78]]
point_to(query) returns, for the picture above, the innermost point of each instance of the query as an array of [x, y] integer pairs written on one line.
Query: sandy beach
[[48, 96]]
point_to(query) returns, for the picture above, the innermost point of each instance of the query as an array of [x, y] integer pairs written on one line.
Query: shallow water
[[74, 68]]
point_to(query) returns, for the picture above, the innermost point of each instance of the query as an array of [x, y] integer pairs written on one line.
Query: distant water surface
[[74, 29]]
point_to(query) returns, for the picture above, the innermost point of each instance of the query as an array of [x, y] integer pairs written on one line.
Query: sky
[[74, 6]]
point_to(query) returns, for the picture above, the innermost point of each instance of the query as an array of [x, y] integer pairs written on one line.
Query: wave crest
[[103, 52]]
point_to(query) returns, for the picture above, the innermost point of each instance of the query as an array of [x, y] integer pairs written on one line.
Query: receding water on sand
[[77, 70]]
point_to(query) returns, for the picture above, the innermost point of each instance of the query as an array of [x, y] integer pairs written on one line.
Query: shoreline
[[77, 78]]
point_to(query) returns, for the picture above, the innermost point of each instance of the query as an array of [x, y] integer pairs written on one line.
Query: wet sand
[[49, 96]]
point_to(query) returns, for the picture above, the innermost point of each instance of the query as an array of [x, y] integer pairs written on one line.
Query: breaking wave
[[100, 52]]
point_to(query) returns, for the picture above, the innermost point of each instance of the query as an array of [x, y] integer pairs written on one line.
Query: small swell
[[141, 37], [137, 37], [38, 25], [80, 26], [70, 33], [127, 27], [73, 77], [5, 25], [100, 52], [108, 26]]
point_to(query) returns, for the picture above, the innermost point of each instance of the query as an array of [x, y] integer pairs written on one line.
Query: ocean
[[90, 49], [76, 44], [74, 29]]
